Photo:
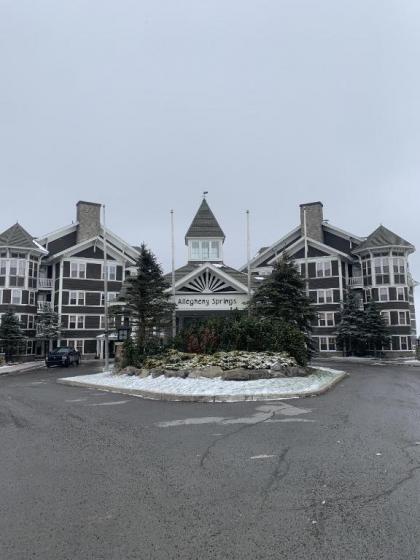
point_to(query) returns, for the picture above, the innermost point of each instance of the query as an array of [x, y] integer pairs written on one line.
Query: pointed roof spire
[[383, 237], [204, 223], [16, 236]]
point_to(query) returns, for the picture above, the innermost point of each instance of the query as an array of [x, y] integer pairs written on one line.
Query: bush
[[243, 333]]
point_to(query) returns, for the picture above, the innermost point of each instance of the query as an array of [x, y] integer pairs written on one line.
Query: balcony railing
[[45, 283], [44, 306], [356, 282]]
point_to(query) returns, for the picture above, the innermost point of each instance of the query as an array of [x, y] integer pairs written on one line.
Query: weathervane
[[204, 193]]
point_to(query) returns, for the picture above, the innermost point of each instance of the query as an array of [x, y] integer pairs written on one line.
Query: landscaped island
[[230, 366]]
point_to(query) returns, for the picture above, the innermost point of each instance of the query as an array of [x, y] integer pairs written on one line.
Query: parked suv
[[63, 356]]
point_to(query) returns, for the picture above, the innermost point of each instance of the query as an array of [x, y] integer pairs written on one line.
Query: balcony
[[45, 306], [356, 282], [45, 283]]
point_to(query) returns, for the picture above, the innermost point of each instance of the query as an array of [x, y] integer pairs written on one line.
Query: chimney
[[314, 219], [89, 219]]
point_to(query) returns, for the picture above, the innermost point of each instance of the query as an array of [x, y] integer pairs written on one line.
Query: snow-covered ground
[[23, 366], [214, 389]]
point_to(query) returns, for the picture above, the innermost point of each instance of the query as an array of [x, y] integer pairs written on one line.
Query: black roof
[[241, 277], [204, 224], [383, 237], [17, 236]]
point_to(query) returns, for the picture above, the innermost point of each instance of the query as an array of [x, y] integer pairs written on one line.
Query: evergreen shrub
[[240, 332]]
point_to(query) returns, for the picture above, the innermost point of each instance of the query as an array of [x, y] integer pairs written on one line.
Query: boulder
[[130, 370], [237, 374], [156, 372], [296, 371], [279, 366], [210, 372], [181, 373]]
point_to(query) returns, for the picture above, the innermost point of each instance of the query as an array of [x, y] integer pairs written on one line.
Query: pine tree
[[147, 301], [11, 334], [48, 324], [282, 295], [350, 332], [375, 329]]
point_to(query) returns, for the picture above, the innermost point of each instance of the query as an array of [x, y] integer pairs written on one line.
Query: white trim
[[56, 234], [342, 233], [263, 255], [217, 271]]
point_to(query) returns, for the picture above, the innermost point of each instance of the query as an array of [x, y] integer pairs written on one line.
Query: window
[[77, 270], [112, 296], [111, 322], [31, 298], [399, 270], [76, 344], [76, 322], [403, 317], [381, 265], [112, 272], [386, 317], [383, 294], [3, 263], [326, 320], [325, 296], [214, 250], [367, 272], [400, 294], [404, 343], [31, 321], [323, 268], [16, 297], [327, 344], [77, 298], [203, 250], [195, 250]]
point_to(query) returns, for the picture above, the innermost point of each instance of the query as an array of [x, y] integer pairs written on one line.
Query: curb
[[22, 370], [170, 397]]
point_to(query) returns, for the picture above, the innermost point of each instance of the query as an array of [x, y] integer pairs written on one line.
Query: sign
[[218, 302]]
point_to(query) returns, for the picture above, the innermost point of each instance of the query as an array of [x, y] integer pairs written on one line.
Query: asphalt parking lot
[[86, 474]]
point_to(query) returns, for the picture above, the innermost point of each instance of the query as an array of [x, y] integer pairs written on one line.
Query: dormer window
[[205, 250]]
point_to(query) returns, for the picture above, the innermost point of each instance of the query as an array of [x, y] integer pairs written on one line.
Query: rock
[[279, 366], [296, 371], [209, 372], [181, 373], [130, 370], [156, 372], [236, 374]]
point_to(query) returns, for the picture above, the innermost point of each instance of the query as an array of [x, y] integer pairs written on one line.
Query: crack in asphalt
[[275, 477], [206, 453]]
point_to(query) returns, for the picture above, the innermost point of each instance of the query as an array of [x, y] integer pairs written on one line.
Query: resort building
[[333, 261], [206, 286], [64, 271]]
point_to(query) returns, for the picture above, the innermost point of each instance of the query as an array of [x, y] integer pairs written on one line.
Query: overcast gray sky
[[266, 104]]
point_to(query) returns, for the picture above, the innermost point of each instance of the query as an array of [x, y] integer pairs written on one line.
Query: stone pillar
[[314, 219], [89, 220]]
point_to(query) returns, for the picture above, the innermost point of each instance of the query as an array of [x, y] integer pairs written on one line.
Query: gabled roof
[[383, 237], [17, 236], [204, 224]]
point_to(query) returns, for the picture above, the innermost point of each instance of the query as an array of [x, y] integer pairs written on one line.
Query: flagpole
[[173, 274], [248, 252], [106, 334]]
